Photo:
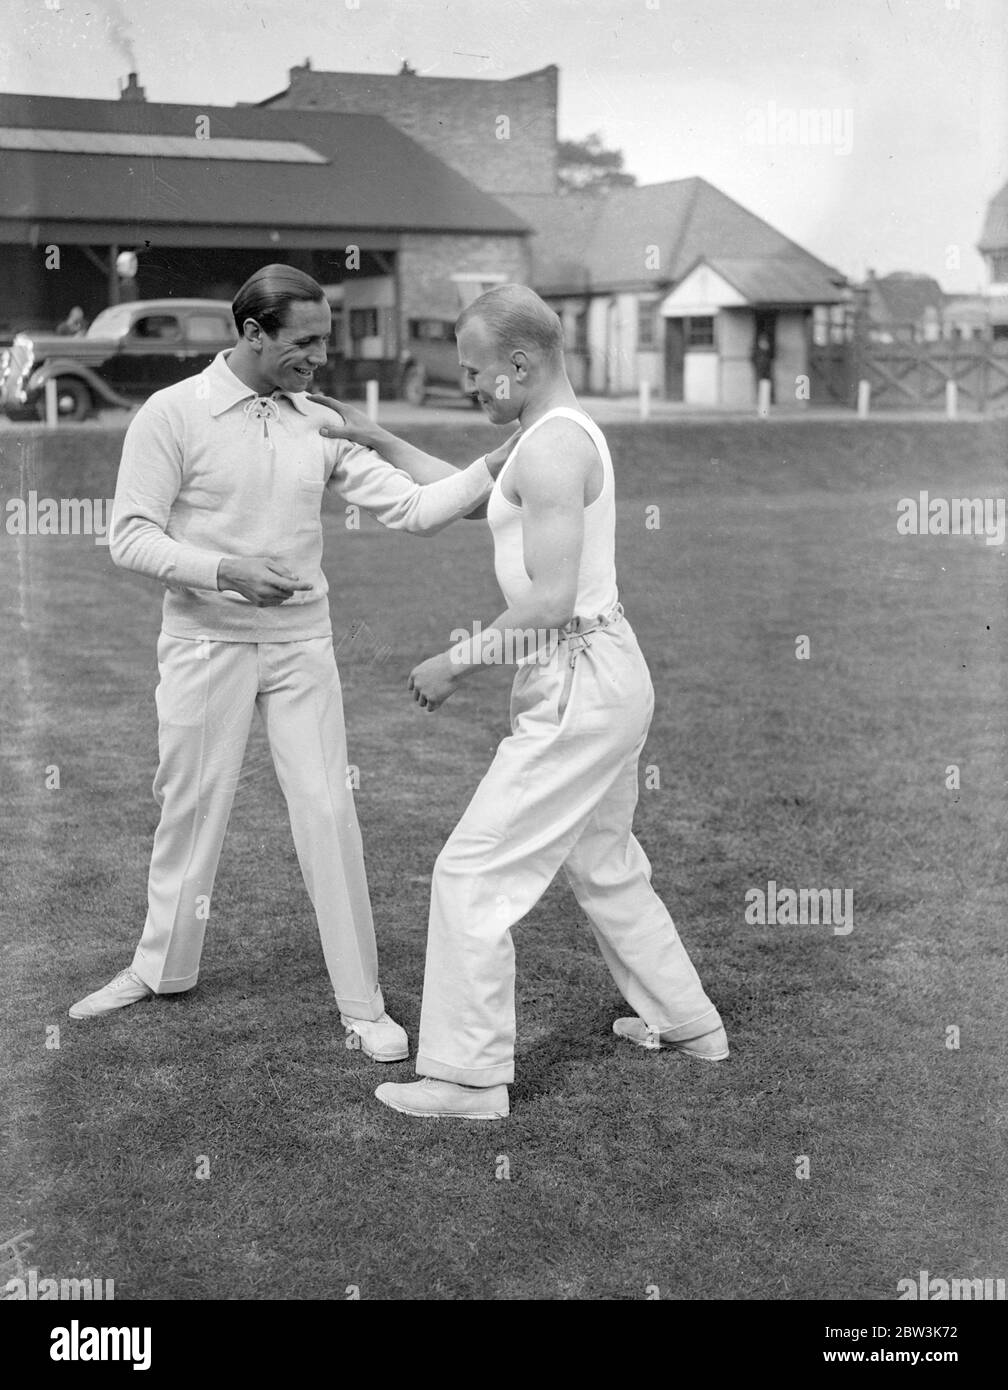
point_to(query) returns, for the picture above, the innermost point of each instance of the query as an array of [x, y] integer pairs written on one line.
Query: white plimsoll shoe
[[126, 988], [381, 1039], [443, 1100], [710, 1047]]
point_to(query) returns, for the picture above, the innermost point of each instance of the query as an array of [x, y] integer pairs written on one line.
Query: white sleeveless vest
[[596, 591]]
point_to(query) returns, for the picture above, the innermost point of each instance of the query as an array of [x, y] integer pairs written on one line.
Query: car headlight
[[22, 360]]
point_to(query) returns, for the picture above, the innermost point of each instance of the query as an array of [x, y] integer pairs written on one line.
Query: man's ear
[[520, 362], [252, 333]]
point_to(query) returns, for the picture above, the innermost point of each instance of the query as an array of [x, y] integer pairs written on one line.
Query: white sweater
[[210, 470]]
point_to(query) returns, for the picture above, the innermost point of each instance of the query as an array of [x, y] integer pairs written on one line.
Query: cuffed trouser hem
[[367, 1011], [502, 1075], [706, 1022], [178, 986]]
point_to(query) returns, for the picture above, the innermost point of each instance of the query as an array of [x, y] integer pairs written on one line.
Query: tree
[[587, 165]]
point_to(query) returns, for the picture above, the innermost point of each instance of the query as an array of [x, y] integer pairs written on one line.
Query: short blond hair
[[518, 319]]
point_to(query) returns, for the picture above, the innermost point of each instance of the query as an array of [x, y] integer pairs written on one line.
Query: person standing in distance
[[218, 497]]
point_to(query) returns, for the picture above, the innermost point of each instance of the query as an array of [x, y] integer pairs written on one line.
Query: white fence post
[[371, 399], [863, 399], [51, 404], [644, 400], [763, 391], [952, 399]]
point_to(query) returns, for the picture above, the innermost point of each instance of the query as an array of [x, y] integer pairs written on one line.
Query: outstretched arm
[[354, 425]]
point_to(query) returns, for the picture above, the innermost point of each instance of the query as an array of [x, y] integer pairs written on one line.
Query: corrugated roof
[[155, 146], [375, 177], [653, 234]]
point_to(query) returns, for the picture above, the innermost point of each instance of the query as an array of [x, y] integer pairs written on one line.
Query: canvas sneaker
[[432, 1100], [710, 1047], [126, 988], [381, 1039]]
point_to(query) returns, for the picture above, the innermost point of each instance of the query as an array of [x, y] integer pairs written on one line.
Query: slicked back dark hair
[[266, 295]]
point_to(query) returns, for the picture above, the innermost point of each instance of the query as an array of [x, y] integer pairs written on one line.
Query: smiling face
[[287, 360], [497, 378]]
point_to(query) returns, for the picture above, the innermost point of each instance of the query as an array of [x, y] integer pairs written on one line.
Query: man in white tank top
[[561, 790]]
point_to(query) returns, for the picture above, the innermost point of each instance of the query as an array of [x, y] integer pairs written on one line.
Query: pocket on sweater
[[307, 504]]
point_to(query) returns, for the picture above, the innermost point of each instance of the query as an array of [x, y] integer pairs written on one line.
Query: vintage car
[[429, 367], [130, 351]]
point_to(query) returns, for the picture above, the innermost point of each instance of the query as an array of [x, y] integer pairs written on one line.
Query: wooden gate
[[912, 376], [831, 375]]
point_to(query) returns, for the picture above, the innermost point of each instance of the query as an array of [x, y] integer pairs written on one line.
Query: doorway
[[675, 352]]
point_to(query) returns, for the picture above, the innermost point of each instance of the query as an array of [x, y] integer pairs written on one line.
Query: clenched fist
[[434, 681]]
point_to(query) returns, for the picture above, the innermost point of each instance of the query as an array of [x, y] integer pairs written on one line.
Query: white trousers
[[560, 792], [205, 702]]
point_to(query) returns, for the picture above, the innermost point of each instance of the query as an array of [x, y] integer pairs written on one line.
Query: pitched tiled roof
[[902, 297], [608, 241], [777, 279], [371, 175], [561, 235]]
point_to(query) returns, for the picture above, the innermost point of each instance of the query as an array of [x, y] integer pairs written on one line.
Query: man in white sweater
[[218, 497]]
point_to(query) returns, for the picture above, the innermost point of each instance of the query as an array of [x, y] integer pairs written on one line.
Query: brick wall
[[455, 118], [427, 263]]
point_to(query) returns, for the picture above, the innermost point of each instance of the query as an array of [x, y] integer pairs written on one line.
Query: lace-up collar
[[225, 390], [266, 409]]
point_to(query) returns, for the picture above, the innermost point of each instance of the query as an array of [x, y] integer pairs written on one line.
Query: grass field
[[627, 1169]]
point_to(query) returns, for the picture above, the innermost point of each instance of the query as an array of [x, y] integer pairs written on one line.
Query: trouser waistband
[[575, 633]]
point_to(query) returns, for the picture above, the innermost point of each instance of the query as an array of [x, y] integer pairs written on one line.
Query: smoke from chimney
[[119, 32]]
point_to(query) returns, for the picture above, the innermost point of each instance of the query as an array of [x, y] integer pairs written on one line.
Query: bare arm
[[550, 476]]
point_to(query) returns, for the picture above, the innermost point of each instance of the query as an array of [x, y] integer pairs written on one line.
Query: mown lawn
[[627, 1169]]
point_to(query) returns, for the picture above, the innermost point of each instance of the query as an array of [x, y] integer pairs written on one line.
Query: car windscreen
[[110, 323]]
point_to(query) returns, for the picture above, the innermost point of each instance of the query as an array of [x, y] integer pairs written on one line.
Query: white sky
[[920, 88]]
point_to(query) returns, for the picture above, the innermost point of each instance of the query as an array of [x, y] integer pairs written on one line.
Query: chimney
[[132, 91]]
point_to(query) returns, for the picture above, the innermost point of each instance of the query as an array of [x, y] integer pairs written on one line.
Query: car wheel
[[414, 387], [73, 400]]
